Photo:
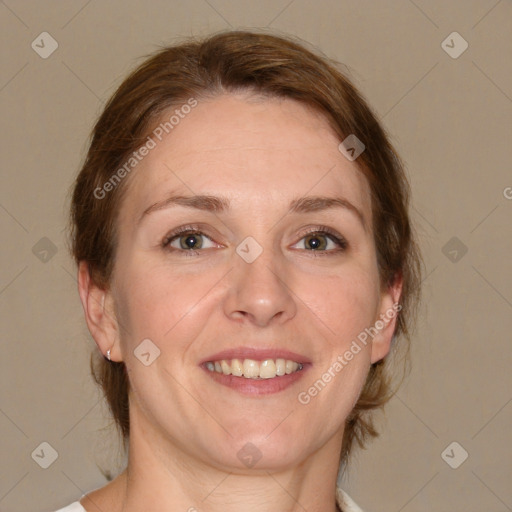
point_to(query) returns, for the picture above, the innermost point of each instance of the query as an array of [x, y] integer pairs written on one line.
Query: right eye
[[187, 240]]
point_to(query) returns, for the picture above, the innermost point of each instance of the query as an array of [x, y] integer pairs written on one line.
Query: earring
[[108, 354]]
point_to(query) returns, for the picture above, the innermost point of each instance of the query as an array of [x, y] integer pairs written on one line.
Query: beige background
[[451, 119]]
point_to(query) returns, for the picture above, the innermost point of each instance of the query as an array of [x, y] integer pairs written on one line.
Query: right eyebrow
[[199, 202]]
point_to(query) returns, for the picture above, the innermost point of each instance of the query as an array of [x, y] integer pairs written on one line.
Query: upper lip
[[258, 354]]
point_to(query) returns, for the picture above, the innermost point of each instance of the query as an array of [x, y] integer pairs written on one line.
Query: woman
[[246, 264]]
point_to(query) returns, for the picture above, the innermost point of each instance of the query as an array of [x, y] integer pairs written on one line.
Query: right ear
[[99, 313]]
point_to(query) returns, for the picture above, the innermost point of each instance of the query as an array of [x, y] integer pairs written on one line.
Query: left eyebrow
[[319, 203], [218, 204]]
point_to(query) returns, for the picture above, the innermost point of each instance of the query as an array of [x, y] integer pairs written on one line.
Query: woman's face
[[257, 275]]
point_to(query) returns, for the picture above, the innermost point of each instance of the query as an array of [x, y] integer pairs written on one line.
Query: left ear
[[385, 323]]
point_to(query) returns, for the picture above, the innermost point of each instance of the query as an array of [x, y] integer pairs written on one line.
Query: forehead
[[257, 152]]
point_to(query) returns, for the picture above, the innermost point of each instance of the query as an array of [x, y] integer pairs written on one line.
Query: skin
[[186, 429]]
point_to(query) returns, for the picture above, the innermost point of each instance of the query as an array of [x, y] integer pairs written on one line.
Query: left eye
[[319, 241]]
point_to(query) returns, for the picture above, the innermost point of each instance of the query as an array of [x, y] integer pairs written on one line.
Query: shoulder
[[345, 502], [74, 507], [100, 498]]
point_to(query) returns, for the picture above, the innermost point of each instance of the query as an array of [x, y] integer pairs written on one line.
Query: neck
[[161, 476]]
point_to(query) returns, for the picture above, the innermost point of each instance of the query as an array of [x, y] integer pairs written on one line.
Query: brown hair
[[274, 67]]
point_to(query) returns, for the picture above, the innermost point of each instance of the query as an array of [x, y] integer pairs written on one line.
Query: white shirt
[[345, 502]]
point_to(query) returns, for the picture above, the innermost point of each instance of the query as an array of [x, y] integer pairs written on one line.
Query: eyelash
[[318, 230]]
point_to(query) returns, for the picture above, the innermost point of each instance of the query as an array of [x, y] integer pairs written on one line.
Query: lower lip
[[253, 387]]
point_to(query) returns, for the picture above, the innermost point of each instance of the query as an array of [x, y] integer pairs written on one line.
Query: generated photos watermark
[[304, 397], [152, 140]]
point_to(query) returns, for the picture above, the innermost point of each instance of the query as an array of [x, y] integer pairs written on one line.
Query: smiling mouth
[[253, 369]]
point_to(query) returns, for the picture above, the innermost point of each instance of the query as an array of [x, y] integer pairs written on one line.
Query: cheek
[[344, 304], [157, 302]]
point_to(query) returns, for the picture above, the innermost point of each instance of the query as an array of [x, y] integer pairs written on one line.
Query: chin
[[257, 450]]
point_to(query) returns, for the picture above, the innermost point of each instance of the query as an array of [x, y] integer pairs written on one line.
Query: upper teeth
[[252, 369]]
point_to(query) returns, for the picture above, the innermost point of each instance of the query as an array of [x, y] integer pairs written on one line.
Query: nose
[[259, 293]]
